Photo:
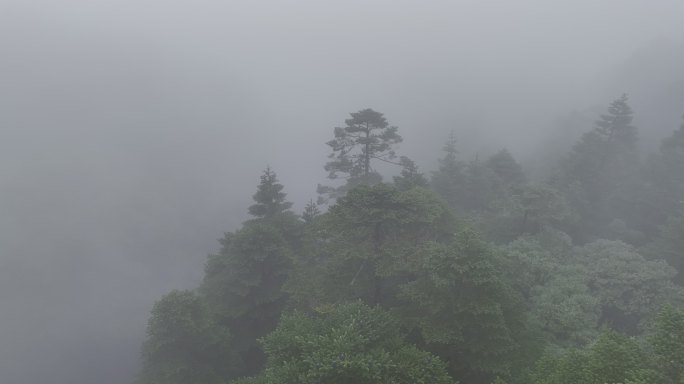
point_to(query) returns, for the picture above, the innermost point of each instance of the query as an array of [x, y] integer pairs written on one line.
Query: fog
[[134, 132]]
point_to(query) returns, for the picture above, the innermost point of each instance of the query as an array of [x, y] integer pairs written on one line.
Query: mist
[[134, 132]]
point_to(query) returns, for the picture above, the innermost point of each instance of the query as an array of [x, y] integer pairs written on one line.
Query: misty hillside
[[522, 222]]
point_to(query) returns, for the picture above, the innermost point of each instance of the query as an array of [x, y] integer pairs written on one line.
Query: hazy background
[[133, 133]]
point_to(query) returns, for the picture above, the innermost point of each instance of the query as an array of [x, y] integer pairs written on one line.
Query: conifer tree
[[270, 198], [243, 282], [449, 180], [310, 212], [662, 193], [185, 344], [365, 139], [409, 177], [506, 168], [599, 173]]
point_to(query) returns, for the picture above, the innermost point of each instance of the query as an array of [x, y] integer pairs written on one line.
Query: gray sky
[[134, 132]]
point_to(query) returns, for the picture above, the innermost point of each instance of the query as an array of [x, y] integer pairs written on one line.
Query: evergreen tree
[[481, 187], [599, 174], [669, 244], [243, 282], [463, 310], [270, 198], [662, 192], [449, 180], [629, 288], [366, 138], [668, 343], [310, 212], [506, 168], [614, 358], [185, 344], [343, 344], [368, 237], [410, 177]]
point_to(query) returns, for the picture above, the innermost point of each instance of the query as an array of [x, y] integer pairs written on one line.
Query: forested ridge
[[475, 272]]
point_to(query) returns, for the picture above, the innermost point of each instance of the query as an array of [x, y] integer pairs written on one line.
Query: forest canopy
[[472, 273]]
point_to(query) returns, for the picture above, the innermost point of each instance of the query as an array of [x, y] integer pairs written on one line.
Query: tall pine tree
[[269, 198], [366, 138], [243, 282], [600, 172]]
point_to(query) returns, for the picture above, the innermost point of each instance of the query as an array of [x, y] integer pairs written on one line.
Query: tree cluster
[[475, 274]]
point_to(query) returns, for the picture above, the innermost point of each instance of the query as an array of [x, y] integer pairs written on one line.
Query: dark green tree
[[270, 198], [341, 344], [662, 190], [668, 343], [370, 234], [613, 358], [185, 344], [243, 283], [630, 289], [509, 171], [410, 177], [669, 244], [482, 187], [310, 212], [600, 172], [365, 139], [462, 308], [449, 180]]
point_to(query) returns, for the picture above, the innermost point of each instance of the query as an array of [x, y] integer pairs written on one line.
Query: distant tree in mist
[[185, 344], [409, 177], [668, 343], [243, 282], [269, 198], [509, 171], [662, 190], [669, 244], [449, 180], [310, 212], [600, 171], [365, 139], [613, 358]]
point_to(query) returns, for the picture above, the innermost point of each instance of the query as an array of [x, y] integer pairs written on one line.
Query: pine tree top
[[270, 199]]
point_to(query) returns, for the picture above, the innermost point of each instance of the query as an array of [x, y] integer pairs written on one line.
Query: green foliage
[[629, 287], [669, 244], [243, 283], [349, 343], [462, 309], [366, 138], [270, 198], [310, 212], [435, 283], [449, 180], [668, 343], [410, 177], [367, 239], [526, 210], [531, 261], [565, 308], [185, 345], [599, 173], [506, 168], [659, 195], [614, 358]]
